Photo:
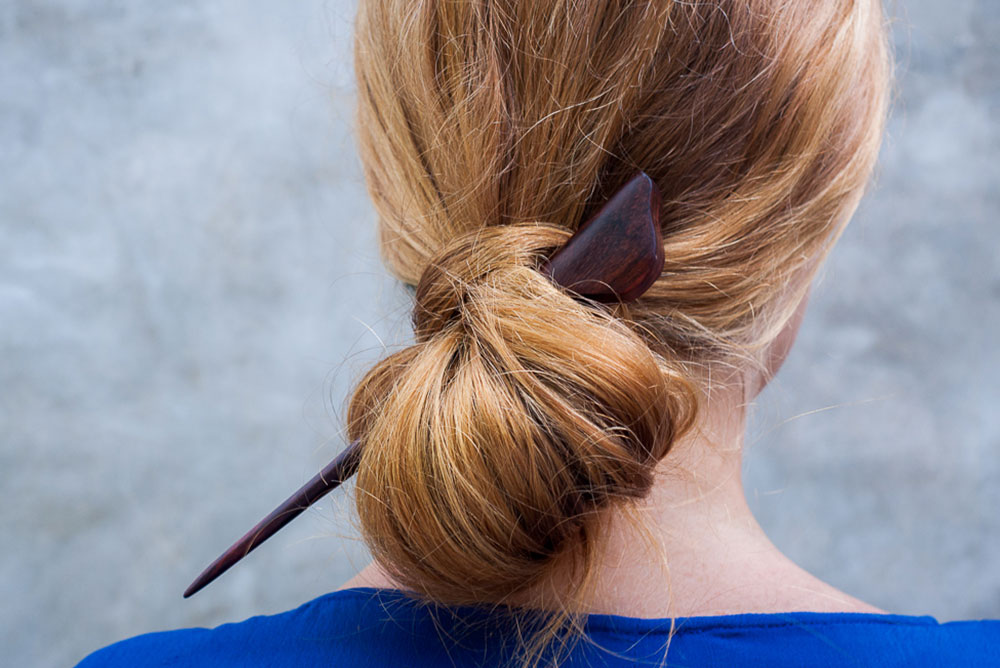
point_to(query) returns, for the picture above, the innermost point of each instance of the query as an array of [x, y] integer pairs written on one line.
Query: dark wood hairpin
[[616, 255]]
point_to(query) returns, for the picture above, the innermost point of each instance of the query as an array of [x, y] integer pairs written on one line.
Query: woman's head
[[489, 130]]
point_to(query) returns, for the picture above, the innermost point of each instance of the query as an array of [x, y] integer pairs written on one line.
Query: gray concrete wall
[[189, 284]]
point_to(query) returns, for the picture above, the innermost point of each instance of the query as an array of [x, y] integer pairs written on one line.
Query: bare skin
[[720, 561]]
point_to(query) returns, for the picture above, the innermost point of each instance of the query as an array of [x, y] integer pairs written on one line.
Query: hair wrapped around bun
[[518, 413]]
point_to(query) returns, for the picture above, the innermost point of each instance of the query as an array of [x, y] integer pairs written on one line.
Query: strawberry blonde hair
[[489, 130]]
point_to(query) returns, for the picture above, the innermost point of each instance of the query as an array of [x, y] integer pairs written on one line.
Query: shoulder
[[348, 627], [836, 639], [166, 648], [328, 629]]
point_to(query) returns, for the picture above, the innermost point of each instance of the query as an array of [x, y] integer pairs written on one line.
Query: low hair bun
[[491, 444]]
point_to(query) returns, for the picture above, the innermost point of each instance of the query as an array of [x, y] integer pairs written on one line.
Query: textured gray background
[[189, 284]]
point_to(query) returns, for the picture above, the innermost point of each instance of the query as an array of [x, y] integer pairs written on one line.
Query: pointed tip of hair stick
[[333, 474]]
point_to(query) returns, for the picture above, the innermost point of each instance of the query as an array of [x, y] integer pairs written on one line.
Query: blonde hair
[[489, 130]]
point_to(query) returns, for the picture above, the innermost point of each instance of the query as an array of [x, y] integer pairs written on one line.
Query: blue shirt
[[365, 627]]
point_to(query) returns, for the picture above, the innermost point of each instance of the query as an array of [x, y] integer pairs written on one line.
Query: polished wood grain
[[617, 254]]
